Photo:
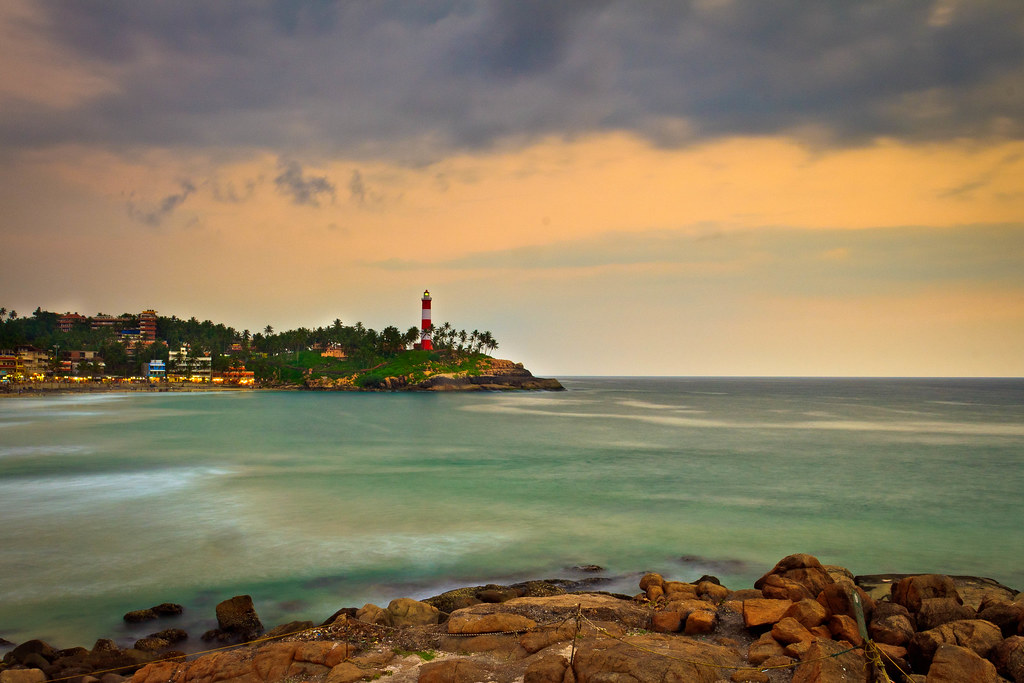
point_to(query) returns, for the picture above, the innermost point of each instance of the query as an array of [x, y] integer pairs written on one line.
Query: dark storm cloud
[[301, 188], [156, 215], [405, 79]]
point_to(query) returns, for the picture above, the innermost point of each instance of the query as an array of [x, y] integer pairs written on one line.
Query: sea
[[314, 501]]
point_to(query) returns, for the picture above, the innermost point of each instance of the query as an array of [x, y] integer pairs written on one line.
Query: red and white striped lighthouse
[[425, 342]]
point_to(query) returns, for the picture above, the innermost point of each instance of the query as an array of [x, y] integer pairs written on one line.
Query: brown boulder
[[955, 664], [373, 614], [551, 669], [677, 590], [975, 634], [938, 611], [31, 647], [822, 663], [1008, 656], [700, 622], [911, 590], [139, 615], [804, 569], [763, 649], [349, 672], [838, 599], [1006, 615], [464, 622], [151, 644], [237, 619], [453, 671], [409, 612], [652, 579], [788, 630], [544, 636], [896, 629], [764, 611], [666, 622], [715, 592], [22, 676], [782, 588], [809, 613], [652, 658], [843, 627]]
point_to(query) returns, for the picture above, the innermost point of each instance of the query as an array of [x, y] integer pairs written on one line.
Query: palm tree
[[268, 330]]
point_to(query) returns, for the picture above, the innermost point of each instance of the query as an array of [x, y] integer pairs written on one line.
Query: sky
[[703, 187]]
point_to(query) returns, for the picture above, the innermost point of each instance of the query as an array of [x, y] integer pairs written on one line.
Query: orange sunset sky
[[715, 187]]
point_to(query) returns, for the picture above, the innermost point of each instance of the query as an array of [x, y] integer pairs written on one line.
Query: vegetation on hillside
[[288, 356]]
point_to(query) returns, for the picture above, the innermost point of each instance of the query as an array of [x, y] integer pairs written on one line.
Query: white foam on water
[[36, 451], [906, 427]]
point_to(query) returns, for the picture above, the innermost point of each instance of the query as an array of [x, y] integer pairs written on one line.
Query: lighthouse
[[425, 342]]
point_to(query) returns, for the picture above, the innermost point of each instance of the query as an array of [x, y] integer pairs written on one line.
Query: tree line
[[226, 345]]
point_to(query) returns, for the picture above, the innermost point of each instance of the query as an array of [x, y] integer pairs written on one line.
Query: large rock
[[22, 676], [550, 669], [764, 611], [838, 599], [974, 634], [804, 569], [809, 613], [268, 664], [938, 611], [1008, 657], [911, 590], [955, 664], [237, 619], [464, 622], [652, 658], [824, 664], [409, 612], [21, 653], [454, 671]]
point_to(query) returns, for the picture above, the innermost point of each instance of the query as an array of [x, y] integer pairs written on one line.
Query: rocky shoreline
[[799, 622]]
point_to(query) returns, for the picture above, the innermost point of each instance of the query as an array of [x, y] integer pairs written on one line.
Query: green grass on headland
[[414, 366]]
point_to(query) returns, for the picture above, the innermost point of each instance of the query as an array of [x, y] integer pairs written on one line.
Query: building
[[154, 369], [131, 339], [10, 367], [35, 363], [237, 376], [68, 321], [101, 320], [334, 351], [147, 326], [185, 366]]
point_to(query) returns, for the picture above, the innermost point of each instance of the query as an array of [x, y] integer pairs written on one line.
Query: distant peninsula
[[48, 351], [416, 370]]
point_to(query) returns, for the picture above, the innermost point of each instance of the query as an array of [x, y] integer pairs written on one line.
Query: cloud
[[806, 262], [356, 187], [303, 190], [168, 205], [413, 81]]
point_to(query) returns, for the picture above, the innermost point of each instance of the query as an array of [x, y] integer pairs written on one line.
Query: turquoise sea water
[[315, 501]]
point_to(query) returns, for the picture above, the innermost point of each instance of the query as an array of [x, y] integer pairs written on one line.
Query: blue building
[[154, 369]]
